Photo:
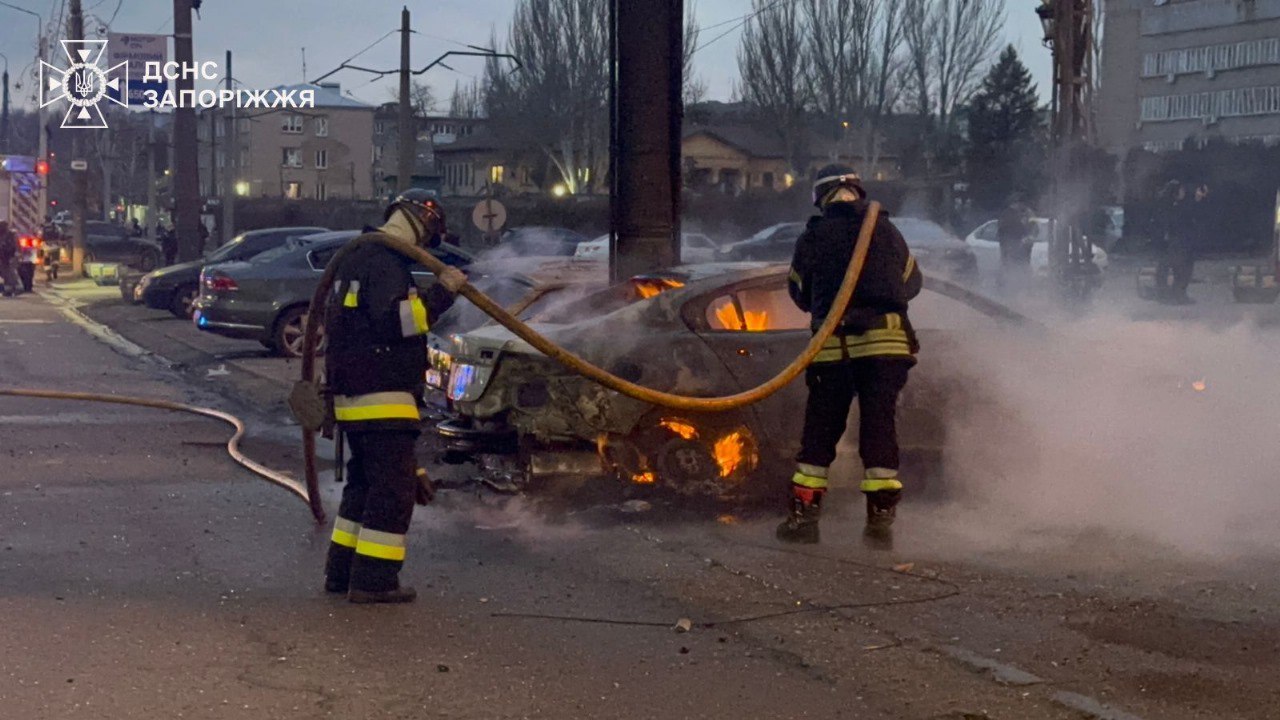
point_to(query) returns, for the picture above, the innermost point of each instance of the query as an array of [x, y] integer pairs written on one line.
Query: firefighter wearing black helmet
[[868, 357], [376, 359]]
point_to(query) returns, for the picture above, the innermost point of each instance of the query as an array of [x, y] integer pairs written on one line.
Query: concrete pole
[[4, 114], [186, 158], [79, 178], [647, 114], [408, 131], [150, 225], [232, 173]]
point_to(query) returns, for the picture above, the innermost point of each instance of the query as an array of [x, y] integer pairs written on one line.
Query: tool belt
[[887, 336]]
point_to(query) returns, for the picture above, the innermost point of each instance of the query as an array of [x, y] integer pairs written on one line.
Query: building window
[[219, 127], [222, 159], [496, 174], [293, 190], [322, 127], [377, 153], [1210, 106], [1212, 58], [291, 124], [322, 159], [322, 191], [767, 180], [291, 157]]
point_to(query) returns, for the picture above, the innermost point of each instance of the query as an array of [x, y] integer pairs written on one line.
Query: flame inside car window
[[757, 309], [726, 314]]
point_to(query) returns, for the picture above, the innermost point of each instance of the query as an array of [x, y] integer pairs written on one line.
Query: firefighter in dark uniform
[[868, 357], [375, 326]]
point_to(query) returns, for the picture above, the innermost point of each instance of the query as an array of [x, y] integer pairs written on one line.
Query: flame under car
[[709, 330]]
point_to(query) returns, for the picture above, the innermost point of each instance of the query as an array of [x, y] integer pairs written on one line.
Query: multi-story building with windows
[[1180, 73], [316, 153]]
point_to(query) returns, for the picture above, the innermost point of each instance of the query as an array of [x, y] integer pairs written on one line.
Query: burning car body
[[702, 330]]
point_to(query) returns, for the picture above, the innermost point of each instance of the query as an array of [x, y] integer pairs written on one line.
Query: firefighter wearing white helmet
[[868, 357]]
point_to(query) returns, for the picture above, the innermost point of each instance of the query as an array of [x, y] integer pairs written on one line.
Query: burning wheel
[[707, 457]]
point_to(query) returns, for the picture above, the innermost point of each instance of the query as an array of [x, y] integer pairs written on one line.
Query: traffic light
[[42, 167]]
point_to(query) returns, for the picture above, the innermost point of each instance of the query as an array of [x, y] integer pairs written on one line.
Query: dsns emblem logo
[[84, 83]]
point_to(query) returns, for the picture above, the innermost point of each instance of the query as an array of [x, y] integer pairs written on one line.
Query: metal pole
[[213, 160], [232, 151], [408, 131], [648, 117], [186, 159], [79, 178], [151, 215], [4, 115]]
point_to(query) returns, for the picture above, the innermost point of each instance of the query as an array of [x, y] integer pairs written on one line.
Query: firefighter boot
[[801, 526], [882, 508]]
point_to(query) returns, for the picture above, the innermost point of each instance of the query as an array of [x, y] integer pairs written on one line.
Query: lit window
[[322, 159], [291, 124], [322, 127], [293, 190], [496, 174], [291, 157]]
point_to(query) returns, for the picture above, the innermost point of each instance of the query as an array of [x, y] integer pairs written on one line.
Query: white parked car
[[985, 244], [694, 248]]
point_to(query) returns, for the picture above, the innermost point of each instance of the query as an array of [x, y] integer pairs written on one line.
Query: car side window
[[320, 258], [989, 231], [758, 309]]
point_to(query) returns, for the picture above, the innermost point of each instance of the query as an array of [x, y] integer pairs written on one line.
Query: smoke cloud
[[1158, 431]]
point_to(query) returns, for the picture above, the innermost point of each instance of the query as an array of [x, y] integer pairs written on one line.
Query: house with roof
[[738, 157], [317, 153]]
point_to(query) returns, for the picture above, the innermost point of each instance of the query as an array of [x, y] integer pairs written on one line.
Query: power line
[[741, 21]]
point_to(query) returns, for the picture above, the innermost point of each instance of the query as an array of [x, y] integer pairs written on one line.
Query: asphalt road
[[142, 574]]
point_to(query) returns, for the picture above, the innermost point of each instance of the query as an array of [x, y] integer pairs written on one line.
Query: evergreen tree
[[1006, 149]]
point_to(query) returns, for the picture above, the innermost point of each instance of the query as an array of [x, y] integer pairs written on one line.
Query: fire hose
[[569, 360], [233, 445]]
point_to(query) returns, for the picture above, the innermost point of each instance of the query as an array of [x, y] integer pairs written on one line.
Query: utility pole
[[79, 178], [230, 177], [213, 158], [186, 149], [1069, 33], [4, 117], [150, 225], [647, 114], [408, 127]]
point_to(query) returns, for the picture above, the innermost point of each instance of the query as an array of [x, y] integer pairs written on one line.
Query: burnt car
[[706, 330]]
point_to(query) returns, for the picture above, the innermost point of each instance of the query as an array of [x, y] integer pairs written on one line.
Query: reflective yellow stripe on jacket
[[375, 406], [413, 317], [889, 341]]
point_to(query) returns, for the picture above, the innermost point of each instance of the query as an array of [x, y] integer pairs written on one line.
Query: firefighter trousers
[[368, 545], [876, 382]]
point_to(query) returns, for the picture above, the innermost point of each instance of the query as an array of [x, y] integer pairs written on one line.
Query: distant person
[[1014, 235], [1176, 228], [8, 260], [169, 245], [135, 229]]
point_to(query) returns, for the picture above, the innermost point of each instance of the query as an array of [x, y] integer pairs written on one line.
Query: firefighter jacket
[[375, 327], [876, 323]]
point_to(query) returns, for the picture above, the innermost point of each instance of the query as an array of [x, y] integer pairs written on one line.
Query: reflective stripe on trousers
[[381, 545], [810, 476], [345, 532], [375, 406]]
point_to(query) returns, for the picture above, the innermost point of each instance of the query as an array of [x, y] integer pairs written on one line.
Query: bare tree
[[968, 36], [774, 65], [558, 101], [919, 32], [466, 101], [421, 97], [885, 74], [840, 37], [695, 88]]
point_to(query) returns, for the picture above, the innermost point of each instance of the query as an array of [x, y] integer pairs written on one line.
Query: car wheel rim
[[294, 336]]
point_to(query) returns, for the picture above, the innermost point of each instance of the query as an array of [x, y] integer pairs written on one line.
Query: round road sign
[[489, 215]]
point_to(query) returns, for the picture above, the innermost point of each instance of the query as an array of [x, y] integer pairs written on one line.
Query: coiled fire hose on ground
[[568, 359], [233, 445]]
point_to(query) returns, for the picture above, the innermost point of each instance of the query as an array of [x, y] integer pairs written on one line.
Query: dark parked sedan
[[266, 298], [776, 243], [176, 287], [107, 242]]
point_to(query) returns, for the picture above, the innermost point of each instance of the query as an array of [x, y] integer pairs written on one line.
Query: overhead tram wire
[[740, 22]]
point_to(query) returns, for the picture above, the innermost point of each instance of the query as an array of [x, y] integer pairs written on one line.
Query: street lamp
[[1045, 11]]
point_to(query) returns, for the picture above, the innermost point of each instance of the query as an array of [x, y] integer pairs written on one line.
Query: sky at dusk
[[267, 37]]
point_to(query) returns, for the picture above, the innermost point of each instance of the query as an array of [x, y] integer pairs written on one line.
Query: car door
[[756, 331]]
